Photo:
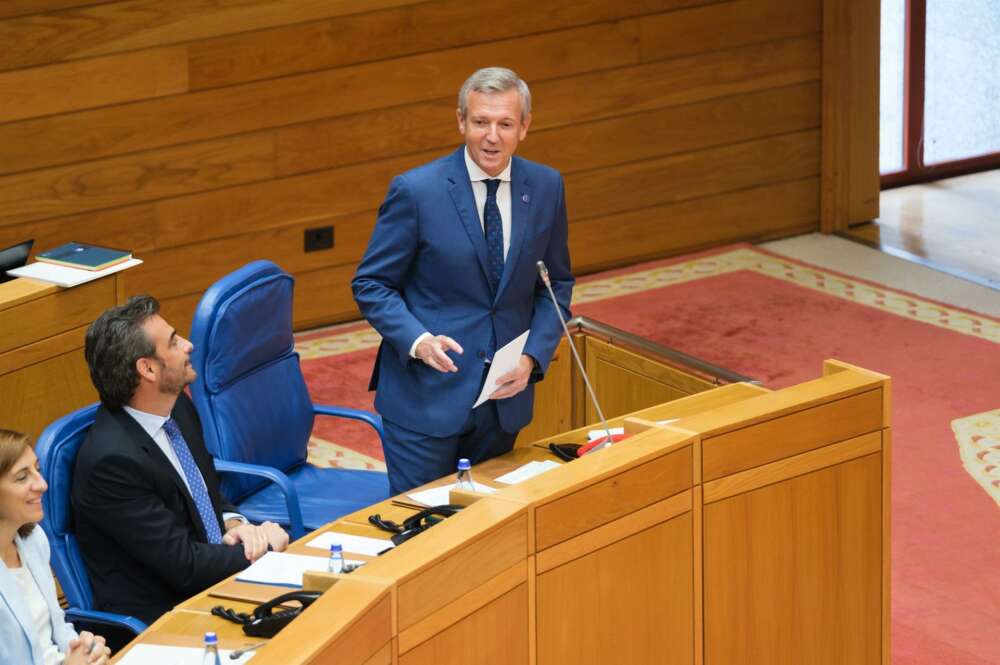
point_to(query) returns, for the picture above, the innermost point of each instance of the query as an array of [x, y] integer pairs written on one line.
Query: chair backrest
[[56, 449], [250, 392]]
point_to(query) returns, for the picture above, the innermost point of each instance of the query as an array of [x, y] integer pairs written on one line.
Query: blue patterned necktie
[[493, 228], [194, 480]]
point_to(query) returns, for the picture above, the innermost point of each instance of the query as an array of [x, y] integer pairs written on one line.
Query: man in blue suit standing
[[450, 276]]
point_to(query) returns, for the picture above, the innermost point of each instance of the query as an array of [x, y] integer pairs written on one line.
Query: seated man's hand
[[515, 380], [256, 539], [434, 352]]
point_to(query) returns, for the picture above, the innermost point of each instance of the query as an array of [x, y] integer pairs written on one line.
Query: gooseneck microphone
[[543, 272]]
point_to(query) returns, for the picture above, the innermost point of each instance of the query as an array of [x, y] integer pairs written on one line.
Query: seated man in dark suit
[[152, 525]]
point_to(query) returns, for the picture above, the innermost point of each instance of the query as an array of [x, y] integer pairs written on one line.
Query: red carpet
[[777, 320]]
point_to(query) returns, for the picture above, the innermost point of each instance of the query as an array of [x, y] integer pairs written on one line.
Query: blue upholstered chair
[[56, 450], [256, 411]]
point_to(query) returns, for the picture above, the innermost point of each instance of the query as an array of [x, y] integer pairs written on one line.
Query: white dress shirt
[[478, 178], [153, 425]]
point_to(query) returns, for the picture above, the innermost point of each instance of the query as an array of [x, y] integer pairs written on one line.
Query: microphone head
[[543, 271]]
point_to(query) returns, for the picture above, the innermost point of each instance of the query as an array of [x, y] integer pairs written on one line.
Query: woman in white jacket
[[33, 628]]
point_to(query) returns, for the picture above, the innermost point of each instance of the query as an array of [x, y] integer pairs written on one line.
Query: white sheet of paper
[[504, 360], [65, 276], [600, 433], [438, 496], [529, 470], [284, 569], [159, 654], [350, 543]]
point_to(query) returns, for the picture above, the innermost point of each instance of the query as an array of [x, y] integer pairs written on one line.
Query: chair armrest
[[373, 419], [278, 478], [74, 614]]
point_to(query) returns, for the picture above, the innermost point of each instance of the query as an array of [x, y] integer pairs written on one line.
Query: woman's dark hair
[[114, 342]]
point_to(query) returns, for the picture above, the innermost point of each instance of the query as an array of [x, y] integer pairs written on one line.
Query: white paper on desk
[[504, 360], [529, 470], [350, 543], [438, 496], [65, 276], [284, 569], [602, 433], [160, 654]]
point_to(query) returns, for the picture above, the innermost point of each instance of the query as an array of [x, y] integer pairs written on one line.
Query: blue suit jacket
[[16, 632], [425, 270]]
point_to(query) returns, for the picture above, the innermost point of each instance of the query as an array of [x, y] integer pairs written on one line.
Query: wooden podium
[[753, 528]]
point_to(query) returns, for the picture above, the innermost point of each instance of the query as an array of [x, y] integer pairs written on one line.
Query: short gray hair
[[113, 344], [494, 79]]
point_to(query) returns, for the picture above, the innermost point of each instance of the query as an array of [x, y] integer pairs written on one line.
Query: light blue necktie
[[493, 228], [194, 480]]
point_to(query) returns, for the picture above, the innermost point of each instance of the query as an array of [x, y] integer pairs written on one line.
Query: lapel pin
[[525, 198]]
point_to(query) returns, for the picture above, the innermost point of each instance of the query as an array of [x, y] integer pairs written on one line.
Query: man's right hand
[[434, 352]]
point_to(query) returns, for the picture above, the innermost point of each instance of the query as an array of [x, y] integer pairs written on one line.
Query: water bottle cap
[[336, 547], [210, 638], [463, 464]]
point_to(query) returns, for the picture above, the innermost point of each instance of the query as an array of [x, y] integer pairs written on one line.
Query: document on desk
[[529, 470], [284, 569], [439, 496], [161, 654], [595, 434], [504, 360], [350, 543]]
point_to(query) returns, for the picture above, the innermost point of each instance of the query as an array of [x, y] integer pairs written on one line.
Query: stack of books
[[75, 263]]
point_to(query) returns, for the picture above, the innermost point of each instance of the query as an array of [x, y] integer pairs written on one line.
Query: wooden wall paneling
[[118, 181], [135, 24], [194, 267], [11, 8], [496, 634], [324, 295], [747, 214], [850, 113], [556, 103], [798, 432], [772, 595], [726, 25], [44, 349], [611, 498], [692, 175], [314, 197], [59, 88], [390, 33], [204, 115], [651, 134], [603, 607], [625, 381], [130, 227]]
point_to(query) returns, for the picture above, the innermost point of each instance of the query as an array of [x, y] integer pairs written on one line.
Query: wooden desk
[[752, 529], [43, 374]]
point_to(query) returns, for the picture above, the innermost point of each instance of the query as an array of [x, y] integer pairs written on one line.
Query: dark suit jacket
[[137, 526], [425, 269]]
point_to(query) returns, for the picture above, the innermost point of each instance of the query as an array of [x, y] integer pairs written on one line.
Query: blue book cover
[[84, 256]]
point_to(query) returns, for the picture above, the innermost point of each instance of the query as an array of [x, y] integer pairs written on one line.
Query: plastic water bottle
[[464, 480], [211, 653], [336, 562]]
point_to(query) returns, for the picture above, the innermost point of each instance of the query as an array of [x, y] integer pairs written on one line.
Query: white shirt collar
[[476, 174], [150, 422]]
